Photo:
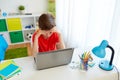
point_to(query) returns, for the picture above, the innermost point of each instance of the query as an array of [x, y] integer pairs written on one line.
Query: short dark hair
[[46, 21]]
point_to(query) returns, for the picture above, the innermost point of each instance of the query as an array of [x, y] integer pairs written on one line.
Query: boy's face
[[48, 33]]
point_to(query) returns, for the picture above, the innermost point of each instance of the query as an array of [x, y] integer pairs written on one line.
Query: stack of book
[[8, 69]]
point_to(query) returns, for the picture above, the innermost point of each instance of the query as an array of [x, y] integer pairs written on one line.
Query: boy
[[46, 38]]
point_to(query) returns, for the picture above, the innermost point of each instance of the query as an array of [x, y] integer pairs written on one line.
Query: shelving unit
[[16, 28]]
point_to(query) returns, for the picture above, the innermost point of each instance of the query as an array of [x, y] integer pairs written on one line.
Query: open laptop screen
[[50, 59]]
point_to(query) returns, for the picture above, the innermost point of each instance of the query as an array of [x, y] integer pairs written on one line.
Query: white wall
[[32, 6]]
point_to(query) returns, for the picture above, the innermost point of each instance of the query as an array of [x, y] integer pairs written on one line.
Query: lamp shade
[[99, 51]]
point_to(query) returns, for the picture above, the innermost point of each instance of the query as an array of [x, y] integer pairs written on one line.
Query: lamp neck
[[111, 59]]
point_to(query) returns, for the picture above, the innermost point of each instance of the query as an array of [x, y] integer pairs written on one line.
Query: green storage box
[[16, 36], [3, 26]]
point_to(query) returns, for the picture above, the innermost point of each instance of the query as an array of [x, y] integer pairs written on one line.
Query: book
[[8, 69], [5, 63]]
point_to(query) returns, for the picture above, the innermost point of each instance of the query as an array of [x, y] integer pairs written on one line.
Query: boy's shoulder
[[57, 34]]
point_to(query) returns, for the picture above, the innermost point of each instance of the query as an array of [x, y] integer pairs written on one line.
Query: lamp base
[[105, 65]]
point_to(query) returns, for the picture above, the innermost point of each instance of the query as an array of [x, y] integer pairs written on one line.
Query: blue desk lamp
[[99, 51]]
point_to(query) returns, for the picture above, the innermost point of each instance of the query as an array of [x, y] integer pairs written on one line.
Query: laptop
[[44, 60]]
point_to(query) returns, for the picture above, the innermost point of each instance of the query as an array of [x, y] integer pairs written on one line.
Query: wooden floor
[[28, 45]]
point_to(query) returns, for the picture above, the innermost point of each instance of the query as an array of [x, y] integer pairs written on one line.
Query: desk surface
[[65, 72]]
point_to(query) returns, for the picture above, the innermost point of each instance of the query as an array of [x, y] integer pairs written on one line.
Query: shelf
[[28, 34], [6, 36], [17, 29], [20, 16]]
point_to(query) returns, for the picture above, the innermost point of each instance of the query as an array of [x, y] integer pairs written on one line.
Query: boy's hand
[[38, 33]]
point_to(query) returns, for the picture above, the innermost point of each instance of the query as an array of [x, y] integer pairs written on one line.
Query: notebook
[[44, 60], [8, 69]]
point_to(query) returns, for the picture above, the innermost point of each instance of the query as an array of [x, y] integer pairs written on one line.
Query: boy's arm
[[60, 44], [35, 42]]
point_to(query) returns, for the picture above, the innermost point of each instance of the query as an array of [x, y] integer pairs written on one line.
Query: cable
[[117, 71]]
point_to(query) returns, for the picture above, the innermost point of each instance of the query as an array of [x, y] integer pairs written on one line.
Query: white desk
[[61, 73]]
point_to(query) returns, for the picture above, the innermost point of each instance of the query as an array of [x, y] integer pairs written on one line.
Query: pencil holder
[[84, 64]]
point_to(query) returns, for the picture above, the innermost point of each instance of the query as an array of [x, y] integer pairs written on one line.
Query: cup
[[84, 64]]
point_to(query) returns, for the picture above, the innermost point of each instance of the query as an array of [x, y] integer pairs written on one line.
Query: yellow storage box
[[14, 24]]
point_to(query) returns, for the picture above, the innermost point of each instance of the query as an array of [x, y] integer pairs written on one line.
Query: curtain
[[85, 23]]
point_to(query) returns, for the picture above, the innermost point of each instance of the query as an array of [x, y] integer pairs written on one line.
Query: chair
[[3, 47]]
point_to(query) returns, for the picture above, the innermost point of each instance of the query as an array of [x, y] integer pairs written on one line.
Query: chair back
[[3, 47]]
